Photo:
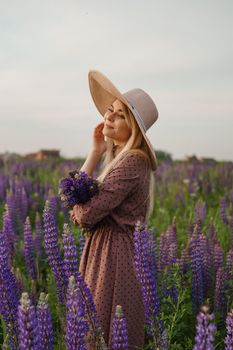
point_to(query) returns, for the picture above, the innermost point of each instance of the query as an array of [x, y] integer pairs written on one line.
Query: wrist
[[96, 153]]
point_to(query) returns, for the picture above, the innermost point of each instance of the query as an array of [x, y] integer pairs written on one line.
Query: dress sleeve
[[117, 185]]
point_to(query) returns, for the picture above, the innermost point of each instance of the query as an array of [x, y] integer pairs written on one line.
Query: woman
[[126, 196]]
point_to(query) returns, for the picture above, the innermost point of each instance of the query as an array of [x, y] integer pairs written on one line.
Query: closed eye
[[120, 115]]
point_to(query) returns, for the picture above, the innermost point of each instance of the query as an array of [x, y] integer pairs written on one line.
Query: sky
[[180, 52]]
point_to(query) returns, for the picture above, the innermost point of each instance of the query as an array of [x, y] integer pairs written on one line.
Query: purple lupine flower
[[38, 235], [229, 336], [28, 249], [171, 243], [8, 232], [206, 263], [78, 188], [76, 323], [184, 261], [3, 187], [191, 226], [11, 205], [218, 257], [17, 197], [212, 231], [52, 251], [19, 280], [70, 253], [45, 329], [119, 330], [169, 258], [229, 264], [212, 240], [90, 312], [24, 204], [231, 223], [52, 201], [153, 254], [27, 321], [223, 208], [6, 276], [200, 210], [9, 316], [231, 196], [17, 188], [197, 226], [144, 271], [27, 185], [197, 270], [205, 331], [162, 249], [219, 295], [146, 277], [179, 200]]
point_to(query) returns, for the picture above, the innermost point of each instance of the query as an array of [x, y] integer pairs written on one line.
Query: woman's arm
[[98, 148], [117, 185], [91, 161]]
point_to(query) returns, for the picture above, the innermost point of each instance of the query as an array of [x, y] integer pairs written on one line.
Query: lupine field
[[183, 260]]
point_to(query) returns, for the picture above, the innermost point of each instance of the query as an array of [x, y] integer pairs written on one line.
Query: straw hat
[[143, 108]]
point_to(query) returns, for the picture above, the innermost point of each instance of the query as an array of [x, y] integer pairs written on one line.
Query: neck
[[117, 148]]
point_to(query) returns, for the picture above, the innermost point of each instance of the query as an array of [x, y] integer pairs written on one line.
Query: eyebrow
[[119, 110]]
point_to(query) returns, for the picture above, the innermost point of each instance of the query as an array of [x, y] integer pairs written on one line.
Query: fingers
[[99, 126], [72, 216], [98, 129]]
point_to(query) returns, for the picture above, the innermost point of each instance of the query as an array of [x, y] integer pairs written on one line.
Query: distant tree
[[163, 155]]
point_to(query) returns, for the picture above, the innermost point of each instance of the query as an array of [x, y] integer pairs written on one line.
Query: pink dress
[[107, 261]]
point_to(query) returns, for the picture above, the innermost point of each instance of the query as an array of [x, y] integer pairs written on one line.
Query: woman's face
[[115, 125]]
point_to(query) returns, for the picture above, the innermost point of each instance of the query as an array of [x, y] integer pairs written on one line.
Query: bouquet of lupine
[[78, 188]]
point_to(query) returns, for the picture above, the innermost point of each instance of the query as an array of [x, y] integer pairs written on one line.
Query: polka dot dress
[[107, 261]]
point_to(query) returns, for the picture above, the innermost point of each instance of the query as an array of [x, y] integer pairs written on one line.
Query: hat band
[[139, 118]]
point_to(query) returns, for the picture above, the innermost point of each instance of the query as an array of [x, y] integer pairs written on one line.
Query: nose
[[110, 116]]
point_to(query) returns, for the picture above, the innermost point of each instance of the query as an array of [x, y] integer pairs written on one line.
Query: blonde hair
[[137, 144]]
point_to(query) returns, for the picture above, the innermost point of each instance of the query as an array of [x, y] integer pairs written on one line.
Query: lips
[[109, 126]]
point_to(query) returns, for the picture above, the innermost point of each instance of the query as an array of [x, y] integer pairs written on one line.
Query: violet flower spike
[[76, 323], [223, 210], [45, 329], [9, 316], [197, 270], [8, 232], [229, 336], [6, 274], [70, 253], [145, 273], [38, 236], [205, 331], [52, 250], [27, 321], [119, 330], [28, 249], [90, 309], [220, 301]]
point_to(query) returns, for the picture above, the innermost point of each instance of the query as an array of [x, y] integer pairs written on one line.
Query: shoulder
[[136, 158]]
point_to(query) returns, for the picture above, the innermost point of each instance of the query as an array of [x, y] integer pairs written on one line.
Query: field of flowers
[[183, 260]]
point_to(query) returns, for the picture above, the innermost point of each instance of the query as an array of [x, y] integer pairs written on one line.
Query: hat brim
[[104, 93]]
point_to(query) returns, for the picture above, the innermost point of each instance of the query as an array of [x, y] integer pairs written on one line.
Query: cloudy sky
[[180, 52]]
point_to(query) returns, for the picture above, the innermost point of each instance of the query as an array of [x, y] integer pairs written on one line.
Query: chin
[[106, 132]]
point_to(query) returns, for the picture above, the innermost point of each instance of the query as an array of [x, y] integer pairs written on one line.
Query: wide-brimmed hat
[[143, 108]]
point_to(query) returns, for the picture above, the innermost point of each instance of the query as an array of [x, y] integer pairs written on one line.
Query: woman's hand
[[72, 216], [99, 145]]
